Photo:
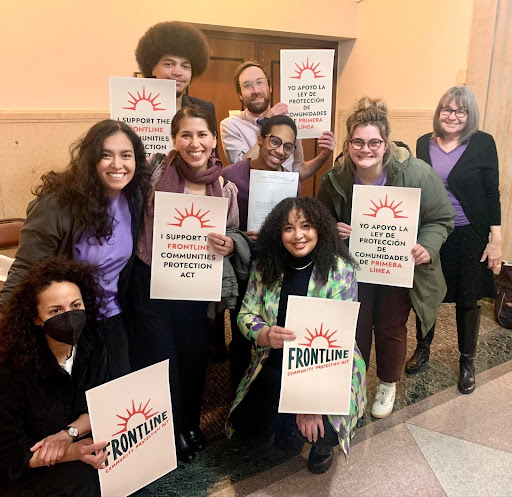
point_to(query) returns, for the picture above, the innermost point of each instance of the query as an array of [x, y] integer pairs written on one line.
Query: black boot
[[468, 324], [320, 459], [419, 360]]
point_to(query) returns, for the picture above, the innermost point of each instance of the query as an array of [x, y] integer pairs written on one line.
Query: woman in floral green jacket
[[298, 252]]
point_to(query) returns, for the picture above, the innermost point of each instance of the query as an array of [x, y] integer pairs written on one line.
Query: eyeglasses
[[259, 83], [358, 144], [447, 112], [276, 142]]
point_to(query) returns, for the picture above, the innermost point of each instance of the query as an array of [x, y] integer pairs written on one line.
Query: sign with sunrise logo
[[317, 365], [134, 415], [184, 265], [147, 105], [306, 87], [384, 230]]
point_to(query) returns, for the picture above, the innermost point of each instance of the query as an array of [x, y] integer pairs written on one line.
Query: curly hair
[[368, 111], [280, 119], [79, 184], [271, 254], [172, 38], [18, 334]]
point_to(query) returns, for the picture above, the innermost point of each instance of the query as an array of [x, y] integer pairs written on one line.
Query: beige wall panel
[[32, 144]]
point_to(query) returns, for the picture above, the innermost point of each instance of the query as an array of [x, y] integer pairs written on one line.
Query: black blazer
[[187, 100], [474, 180]]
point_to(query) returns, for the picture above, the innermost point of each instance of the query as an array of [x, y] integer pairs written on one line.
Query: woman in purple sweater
[[467, 161]]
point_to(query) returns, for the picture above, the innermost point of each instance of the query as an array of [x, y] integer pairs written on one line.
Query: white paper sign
[[147, 105], [384, 230], [306, 86], [317, 365], [185, 266], [266, 190], [134, 415]]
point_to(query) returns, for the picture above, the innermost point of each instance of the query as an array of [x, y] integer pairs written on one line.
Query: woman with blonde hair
[[371, 158], [467, 161]]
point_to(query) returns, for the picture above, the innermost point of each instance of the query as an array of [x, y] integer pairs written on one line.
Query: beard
[[257, 107]]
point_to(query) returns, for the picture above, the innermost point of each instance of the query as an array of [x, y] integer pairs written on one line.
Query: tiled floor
[[437, 441], [447, 445]]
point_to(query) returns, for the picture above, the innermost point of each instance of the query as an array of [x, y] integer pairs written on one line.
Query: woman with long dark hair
[[51, 352], [298, 252], [91, 212]]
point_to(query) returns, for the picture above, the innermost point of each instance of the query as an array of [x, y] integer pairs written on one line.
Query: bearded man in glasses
[[240, 133]]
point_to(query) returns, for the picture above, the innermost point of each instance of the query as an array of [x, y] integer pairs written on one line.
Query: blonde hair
[[368, 111]]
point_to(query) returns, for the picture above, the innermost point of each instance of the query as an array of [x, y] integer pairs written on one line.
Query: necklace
[[303, 267]]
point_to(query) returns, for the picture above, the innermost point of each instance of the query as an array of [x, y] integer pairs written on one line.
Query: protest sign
[[266, 190], [133, 413], [184, 265], [306, 87], [384, 230], [317, 365], [147, 106]]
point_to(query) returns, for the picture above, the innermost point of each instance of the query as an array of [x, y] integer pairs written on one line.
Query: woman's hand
[[274, 337], [492, 253], [420, 254], [222, 244], [52, 448], [326, 142], [344, 230], [91, 453], [311, 425]]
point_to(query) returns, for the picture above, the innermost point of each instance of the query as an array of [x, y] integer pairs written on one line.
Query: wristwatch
[[72, 432]]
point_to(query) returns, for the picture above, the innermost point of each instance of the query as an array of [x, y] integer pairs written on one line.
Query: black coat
[[474, 180], [36, 404]]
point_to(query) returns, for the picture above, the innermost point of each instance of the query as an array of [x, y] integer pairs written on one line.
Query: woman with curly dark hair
[[91, 211], [298, 252], [50, 354]]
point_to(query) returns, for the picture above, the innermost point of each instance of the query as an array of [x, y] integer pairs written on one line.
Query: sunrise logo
[[385, 205], [144, 98], [180, 218], [307, 66], [321, 336], [145, 411]]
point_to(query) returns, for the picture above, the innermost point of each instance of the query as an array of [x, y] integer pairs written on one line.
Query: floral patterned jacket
[[259, 309]]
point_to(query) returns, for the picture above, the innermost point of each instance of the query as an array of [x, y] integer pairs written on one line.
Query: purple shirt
[[109, 255], [443, 163], [240, 175], [380, 181]]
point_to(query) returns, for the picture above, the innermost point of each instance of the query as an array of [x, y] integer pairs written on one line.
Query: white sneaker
[[384, 400]]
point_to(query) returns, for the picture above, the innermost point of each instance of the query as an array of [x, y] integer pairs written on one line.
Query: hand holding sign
[[420, 254], [274, 336]]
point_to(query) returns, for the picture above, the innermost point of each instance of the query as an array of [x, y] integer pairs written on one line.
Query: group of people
[[76, 312]]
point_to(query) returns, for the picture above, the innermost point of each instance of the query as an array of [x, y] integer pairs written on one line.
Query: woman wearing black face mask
[[50, 354]]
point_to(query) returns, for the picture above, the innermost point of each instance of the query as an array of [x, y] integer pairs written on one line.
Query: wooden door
[[227, 52]]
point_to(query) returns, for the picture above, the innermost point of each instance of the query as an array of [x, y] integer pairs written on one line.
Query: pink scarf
[[177, 171]]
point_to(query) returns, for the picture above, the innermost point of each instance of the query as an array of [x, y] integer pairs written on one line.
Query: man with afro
[[178, 51]]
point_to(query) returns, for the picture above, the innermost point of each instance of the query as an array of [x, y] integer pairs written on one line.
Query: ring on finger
[[223, 242]]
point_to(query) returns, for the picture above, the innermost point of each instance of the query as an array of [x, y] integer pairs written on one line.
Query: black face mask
[[66, 327]]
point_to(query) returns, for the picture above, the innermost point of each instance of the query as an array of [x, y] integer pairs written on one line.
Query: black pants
[[116, 341], [256, 417], [69, 479], [176, 330]]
